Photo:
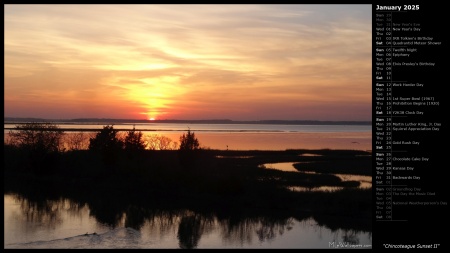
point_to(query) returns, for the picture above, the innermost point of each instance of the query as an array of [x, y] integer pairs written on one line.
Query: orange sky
[[239, 62]]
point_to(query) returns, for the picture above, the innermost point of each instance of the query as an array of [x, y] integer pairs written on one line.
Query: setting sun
[[159, 111], [188, 62]]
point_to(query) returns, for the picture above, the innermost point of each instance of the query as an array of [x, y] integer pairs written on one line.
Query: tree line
[[39, 147], [51, 138]]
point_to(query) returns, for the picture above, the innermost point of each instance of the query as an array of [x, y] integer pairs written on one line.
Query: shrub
[[106, 140], [39, 144], [37, 136], [76, 141], [160, 142], [189, 141], [107, 144], [188, 151], [133, 141]]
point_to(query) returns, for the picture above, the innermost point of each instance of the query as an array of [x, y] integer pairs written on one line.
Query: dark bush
[[189, 141], [107, 144], [40, 144], [134, 141], [189, 149]]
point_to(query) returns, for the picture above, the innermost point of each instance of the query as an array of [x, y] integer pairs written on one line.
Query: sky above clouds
[[239, 62]]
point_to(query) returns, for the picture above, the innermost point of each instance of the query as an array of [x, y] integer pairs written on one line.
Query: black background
[[420, 224]]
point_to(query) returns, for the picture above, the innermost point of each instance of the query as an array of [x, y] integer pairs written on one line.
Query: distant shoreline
[[12, 120]]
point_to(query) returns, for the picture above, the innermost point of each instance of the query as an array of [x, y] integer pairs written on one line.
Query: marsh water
[[365, 182], [66, 224]]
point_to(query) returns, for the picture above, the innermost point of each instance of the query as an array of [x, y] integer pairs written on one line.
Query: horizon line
[[156, 120]]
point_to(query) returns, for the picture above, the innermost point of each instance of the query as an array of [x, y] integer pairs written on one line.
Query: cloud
[[173, 58]]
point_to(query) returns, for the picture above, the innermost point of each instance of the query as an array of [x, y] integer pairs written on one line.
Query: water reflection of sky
[[64, 225], [365, 181]]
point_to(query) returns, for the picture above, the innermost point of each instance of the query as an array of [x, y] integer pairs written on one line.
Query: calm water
[[64, 224], [365, 182], [254, 136]]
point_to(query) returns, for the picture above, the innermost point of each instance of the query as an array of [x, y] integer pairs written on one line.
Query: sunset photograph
[[238, 62], [187, 125]]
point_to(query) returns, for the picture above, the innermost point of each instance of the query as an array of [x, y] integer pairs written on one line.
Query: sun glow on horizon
[[188, 62], [154, 96]]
